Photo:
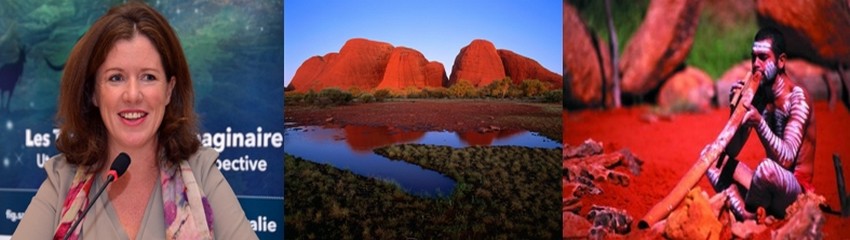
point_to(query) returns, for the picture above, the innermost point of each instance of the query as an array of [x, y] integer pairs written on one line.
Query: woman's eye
[[115, 78], [149, 77]]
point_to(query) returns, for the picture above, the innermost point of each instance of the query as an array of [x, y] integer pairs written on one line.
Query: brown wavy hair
[[83, 138]]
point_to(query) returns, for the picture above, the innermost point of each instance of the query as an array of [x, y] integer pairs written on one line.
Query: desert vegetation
[[530, 90], [502, 192]]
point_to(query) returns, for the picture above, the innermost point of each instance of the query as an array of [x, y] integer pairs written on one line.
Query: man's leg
[[722, 178], [732, 169], [773, 187]]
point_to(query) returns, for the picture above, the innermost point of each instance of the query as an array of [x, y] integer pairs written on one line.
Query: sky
[[436, 28]]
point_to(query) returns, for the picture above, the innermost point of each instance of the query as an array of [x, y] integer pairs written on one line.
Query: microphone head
[[122, 161]]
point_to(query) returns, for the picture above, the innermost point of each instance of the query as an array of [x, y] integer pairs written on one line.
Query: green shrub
[[439, 92], [310, 97], [413, 92], [463, 89], [333, 96], [498, 88], [553, 96], [356, 92], [533, 87], [366, 98], [515, 92], [293, 97], [381, 94]]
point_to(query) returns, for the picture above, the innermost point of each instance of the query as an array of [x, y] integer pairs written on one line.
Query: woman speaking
[[127, 88]]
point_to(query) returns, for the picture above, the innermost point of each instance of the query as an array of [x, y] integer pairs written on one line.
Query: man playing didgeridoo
[[781, 115]]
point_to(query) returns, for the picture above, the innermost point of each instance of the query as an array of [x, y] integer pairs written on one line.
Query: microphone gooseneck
[[117, 169]]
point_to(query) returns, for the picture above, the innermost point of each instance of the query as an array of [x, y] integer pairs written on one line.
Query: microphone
[[119, 166]]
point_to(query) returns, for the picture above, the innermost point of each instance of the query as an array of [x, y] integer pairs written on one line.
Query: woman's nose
[[132, 93]]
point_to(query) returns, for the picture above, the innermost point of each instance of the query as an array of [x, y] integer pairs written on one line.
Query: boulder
[[693, 219], [821, 83], [815, 30], [478, 63], [360, 63], [660, 45], [588, 148], [575, 226], [609, 219], [584, 71], [521, 68], [735, 73], [805, 219], [687, 90], [405, 68]]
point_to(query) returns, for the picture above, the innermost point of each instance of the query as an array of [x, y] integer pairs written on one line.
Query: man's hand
[[739, 86], [736, 88], [752, 118]]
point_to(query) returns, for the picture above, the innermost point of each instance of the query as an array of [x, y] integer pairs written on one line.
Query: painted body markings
[[761, 46], [783, 128], [764, 47]]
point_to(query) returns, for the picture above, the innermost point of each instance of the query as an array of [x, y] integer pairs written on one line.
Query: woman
[[126, 88]]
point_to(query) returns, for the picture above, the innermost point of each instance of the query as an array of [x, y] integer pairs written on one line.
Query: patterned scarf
[[187, 212]]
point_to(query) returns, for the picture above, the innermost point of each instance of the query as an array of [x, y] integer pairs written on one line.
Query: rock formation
[[478, 63], [583, 74], [309, 70], [521, 68], [660, 45], [360, 63], [368, 65], [435, 74], [815, 30], [409, 68]]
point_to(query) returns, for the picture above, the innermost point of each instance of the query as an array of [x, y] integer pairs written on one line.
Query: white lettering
[[41, 159], [56, 132], [259, 139], [14, 216], [38, 139], [262, 224], [242, 164]]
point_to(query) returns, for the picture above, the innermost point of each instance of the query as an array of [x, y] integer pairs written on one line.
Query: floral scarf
[[187, 212]]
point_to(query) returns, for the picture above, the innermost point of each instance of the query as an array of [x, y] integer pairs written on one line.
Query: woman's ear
[[171, 83], [94, 99], [781, 61]]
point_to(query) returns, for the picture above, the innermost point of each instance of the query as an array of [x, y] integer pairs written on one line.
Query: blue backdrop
[[235, 51]]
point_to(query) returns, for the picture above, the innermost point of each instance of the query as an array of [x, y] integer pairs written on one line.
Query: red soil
[[669, 148]]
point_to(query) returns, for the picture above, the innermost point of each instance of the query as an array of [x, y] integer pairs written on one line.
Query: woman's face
[[131, 92]]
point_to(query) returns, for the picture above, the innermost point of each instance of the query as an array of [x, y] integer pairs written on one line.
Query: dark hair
[[778, 45], [83, 137]]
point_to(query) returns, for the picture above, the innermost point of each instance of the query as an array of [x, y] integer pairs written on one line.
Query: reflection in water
[[484, 139], [365, 138], [351, 147]]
